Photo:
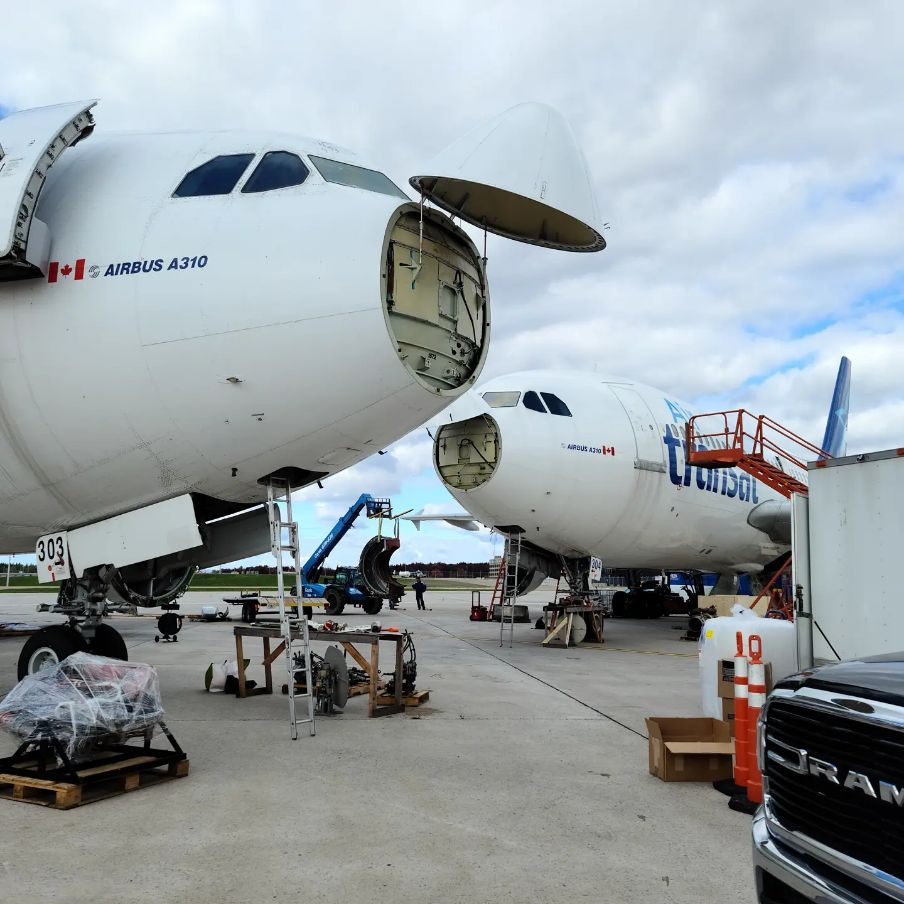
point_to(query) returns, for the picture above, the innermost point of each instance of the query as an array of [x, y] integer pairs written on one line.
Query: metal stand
[[277, 488], [510, 587]]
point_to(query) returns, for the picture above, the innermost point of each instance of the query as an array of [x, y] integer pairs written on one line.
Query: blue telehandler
[[368, 584]]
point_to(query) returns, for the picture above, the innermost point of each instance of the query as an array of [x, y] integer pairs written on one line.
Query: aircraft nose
[[467, 453], [435, 299]]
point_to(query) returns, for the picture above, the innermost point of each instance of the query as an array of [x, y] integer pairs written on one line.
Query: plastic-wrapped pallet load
[[83, 701]]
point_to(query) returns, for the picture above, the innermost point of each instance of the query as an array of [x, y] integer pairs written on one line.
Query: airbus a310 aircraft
[[185, 316], [582, 464]]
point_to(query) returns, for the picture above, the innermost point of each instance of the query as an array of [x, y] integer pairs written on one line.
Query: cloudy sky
[[749, 158]]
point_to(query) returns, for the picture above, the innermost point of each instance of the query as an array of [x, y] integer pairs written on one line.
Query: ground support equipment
[[562, 618], [511, 563], [350, 641], [284, 538]]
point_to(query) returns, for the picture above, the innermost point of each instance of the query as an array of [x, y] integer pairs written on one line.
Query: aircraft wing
[[456, 519]]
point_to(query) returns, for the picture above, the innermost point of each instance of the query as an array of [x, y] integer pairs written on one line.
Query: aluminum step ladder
[[284, 538], [511, 561]]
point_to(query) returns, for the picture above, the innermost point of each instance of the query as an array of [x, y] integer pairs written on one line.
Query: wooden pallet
[[96, 782], [415, 699], [357, 690]]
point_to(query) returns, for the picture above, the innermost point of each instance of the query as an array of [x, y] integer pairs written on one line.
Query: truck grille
[[845, 819]]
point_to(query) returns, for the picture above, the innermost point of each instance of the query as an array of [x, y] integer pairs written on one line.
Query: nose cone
[[466, 453], [522, 176]]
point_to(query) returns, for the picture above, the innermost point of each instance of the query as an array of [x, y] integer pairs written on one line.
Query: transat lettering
[[726, 481]]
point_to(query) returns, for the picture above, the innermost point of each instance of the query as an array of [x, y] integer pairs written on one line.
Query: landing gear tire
[[48, 647], [334, 599], [373, 606], [619, 604], [108, 642]]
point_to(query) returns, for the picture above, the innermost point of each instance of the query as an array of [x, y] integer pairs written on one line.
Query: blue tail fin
[[835, 440]]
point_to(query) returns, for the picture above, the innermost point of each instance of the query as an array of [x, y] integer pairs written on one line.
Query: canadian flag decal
[[66, 270]]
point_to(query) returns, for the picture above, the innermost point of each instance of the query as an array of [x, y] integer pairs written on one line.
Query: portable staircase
[[744, 440], [284, 538], [511, 561]]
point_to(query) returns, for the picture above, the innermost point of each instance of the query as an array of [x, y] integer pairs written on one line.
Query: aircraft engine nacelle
[[139, 551], [534, 567]]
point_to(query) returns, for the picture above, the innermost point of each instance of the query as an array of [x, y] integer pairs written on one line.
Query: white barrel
[[717, 641]]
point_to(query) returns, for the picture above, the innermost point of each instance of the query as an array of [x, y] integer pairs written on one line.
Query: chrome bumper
[[785, 865]]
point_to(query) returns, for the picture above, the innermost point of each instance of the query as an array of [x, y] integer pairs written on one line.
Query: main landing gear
[[83, 602]]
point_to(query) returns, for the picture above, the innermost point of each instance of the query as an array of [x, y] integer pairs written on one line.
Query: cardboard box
[[689, 750], [728, 714], [725, 679]]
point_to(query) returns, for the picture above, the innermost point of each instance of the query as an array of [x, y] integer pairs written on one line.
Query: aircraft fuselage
[[609, 479]]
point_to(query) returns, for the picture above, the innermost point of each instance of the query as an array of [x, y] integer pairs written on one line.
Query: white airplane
[[585, 465], [185, 316]]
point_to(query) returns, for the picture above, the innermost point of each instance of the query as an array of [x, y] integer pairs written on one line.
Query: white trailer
[[848, 544]]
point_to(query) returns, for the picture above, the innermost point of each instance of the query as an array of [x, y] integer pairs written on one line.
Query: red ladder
[[497, 590]]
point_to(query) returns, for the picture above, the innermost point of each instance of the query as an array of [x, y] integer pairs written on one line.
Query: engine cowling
[[148, 584], [534, 567]]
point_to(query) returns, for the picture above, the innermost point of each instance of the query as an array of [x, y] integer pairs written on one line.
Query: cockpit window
[[555, 404], [532, 401], [501, 399], [277, 169], [216, 177], [356, 177]]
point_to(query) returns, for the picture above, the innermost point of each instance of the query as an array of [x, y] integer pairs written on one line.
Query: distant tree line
[[432, 569], [18, 568]]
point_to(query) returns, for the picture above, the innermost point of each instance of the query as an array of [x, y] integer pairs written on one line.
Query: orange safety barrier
[[756, 686], [742, 768]]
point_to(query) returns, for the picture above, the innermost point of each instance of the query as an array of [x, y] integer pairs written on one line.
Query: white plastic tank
[[717, 641]]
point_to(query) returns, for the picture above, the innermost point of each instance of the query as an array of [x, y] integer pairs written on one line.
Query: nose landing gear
[[48, 647], [52, 645]]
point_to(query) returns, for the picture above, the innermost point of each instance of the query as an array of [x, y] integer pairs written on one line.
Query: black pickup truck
[[831, 746]]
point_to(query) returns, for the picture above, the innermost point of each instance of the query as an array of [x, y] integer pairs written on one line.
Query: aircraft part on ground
[[335, 659]]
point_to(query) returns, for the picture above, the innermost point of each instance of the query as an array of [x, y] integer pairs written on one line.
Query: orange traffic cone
[[742, 767], [756, 700], [755, 696]]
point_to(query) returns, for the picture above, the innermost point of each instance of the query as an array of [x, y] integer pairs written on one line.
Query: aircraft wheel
[[48, 647], [334, 599], [108, 642], [619, 604], [372, 606]]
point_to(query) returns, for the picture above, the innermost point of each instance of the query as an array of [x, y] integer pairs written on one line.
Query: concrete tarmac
[[524, 779]]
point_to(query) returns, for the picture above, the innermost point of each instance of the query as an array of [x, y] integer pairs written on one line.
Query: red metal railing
[[741, 439]]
